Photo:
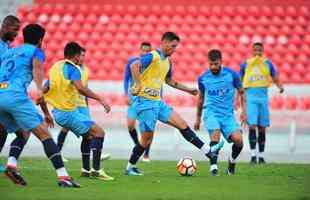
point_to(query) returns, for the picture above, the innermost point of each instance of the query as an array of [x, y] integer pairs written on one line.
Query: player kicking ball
[[149, 73]]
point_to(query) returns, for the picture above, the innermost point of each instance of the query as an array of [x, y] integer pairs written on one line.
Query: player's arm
[[126, 82], [136, 68], [38, 71], [47, 116], [241, 96], [180, 86], [90, 94], [242, 70], [242, 100], [135, 73], [199, 108], [275, 77], [173, 83]]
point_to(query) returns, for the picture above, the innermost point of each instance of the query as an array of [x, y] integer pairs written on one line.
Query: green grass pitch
[[162, 182]]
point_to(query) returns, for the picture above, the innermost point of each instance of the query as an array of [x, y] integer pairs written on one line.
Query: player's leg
[[232, 132], [85, 150], [28, 118], [252, 120], [215, 137], [147, 122], [131, 124], [236, 149], [97, 137], [11, 170], [146, 156], [178, 122], [263, 122], [52, 153], [17, 147], [61, 138], [3, 136]]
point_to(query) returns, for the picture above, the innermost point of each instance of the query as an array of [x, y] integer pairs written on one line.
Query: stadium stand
[[111, 32]]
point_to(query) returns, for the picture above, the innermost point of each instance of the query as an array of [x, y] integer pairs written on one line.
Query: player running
[[217, 91], [149, 73]]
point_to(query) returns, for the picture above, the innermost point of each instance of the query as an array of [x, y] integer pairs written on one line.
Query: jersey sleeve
[[73, 73], [146, 60], [273, 71], [127, 78], [242, 69], [236, 80], [39, 54], [201, 86]]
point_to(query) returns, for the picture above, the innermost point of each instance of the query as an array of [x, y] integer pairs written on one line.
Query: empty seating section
[[112, 33]]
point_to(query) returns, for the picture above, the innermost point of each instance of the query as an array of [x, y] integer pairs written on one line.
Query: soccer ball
[[186, 166]]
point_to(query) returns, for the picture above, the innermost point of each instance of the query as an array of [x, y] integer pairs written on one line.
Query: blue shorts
[[17, 111], [77, 122], [149, 111], [84, 111], [131, 112], [258, 113], [227, 125]]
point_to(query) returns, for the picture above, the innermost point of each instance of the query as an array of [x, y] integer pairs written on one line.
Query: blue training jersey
[[258, 93], [4, 46], [219, 91], [16, 67]]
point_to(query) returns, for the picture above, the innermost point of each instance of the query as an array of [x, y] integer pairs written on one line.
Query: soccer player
[[217, 91], [63, 92], [82, 106], [149, 73], [18, 67], [257, 74], [145, 48], [9, 30]]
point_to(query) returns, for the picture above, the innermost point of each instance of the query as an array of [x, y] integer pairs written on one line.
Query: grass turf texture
[[161, 181]]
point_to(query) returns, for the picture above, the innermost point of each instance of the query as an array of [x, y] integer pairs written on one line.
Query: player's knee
[[41, 132], [181, 124], [64, 130], [97, 131], [131, 127], [252, 127], [261, 129]]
